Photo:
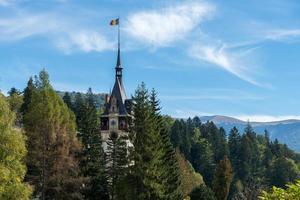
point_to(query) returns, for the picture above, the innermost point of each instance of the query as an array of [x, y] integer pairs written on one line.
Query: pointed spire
[[119, 57], [118, 65]]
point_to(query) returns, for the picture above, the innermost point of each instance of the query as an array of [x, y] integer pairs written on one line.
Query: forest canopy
[[51, 148]]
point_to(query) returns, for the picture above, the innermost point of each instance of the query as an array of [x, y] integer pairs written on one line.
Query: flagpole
[[119, 34]]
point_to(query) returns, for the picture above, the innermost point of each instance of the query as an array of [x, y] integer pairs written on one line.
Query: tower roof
[[118, 91]]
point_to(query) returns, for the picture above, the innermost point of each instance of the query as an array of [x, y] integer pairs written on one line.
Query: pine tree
[[176, 133], [181, 133], [283, 170], [116, 162], [217, 138], [222, 179], [27, 96], [92, 156], [52, 145], [172, 183], [155, 167], [68, 101], [141, 140], [245, 157], [12, 154], [255, 154], [234, 144], [97, 188], [202, 193], [202, 159]]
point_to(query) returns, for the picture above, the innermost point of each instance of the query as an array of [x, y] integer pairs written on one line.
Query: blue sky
[[203, 57]]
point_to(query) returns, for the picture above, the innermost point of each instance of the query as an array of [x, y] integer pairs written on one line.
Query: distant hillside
[[287, 131], [99, 97]]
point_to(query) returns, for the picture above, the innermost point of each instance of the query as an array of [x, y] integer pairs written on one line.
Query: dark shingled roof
[[119, 93], [118, 90]]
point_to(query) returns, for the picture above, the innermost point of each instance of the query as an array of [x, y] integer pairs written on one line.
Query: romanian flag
[[114, 22]]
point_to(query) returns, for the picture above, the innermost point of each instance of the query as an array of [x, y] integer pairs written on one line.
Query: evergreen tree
[[217, 138], [92, 156], [202, 159], [97, 187], [245, 156], [267, 156], [202, 193], [197, 122], [12, 154], [52, 145], [283, 170], [79, 110], [176, 133], [27, 96], [140, 137], [15, 100], [249, 156], [222, 179], [234, 144], [155, 162], [117, 162], [68, 101]]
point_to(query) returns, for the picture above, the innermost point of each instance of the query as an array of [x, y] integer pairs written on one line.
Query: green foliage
[[98, 97], [15, 100], [12, 154], [92, 163], [189, 178], [202, 158], [68, 101], [234, 140], [94, 169], [202, 193], [283, 170], [52, 145], [27, 96], [222, 179], [117, 163], [291, 193], [155, 169]]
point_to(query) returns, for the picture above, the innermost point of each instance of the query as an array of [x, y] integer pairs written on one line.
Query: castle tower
[[117, 113]]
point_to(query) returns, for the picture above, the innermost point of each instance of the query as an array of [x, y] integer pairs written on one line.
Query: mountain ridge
[[286, 131]]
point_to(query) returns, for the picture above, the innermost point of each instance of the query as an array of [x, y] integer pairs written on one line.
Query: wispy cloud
[[66, 34], [282, 34], [229, 58], [4, 2], [87, 41], [164, 26], [213, 94]]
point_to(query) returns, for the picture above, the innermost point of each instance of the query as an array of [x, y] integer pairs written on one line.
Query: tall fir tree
[[167, 164], [155, 165], [92, 156], [27, 96], [140, 134], [234, 144], [202, 159], [68, 100], [116, 163]]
